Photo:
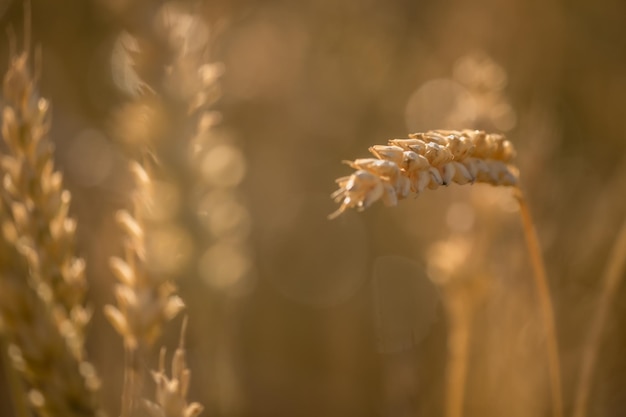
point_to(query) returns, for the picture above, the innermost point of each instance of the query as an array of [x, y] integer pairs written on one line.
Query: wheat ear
[[43, 281], [145, 301], [34, 195], [425, 160], [612, 278], [146, 297], [441, 157]]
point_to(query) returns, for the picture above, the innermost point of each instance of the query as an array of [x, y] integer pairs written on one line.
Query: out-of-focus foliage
[[293, 315]]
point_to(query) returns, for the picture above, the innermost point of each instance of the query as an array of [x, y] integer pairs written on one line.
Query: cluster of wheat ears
[[43, 310]]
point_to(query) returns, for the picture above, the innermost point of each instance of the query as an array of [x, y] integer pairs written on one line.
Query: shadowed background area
[[294, 315]]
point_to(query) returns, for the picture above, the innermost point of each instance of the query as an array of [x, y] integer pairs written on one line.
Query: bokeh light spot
[[460, 217], [89, 158], [169, 248], [440, 104], [225, 266], [223, 215], [224, 166], [310, 259]]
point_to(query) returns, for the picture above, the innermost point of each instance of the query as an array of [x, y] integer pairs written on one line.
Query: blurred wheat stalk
[[465, 286], [612, 278], [162, 67], [42, 286], [42, 283], [437, 158]]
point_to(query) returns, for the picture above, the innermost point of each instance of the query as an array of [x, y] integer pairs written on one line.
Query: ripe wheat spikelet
[[42, 283], [426, 160]]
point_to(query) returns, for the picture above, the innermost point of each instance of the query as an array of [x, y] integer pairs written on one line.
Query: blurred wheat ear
[[145, 302], [437, 158], [145, 294], [42, 283]]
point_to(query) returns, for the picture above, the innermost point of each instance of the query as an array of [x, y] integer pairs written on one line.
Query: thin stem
[[458, 347], [16, 385], [127, 389], [612, 278], [133, 380], [545, 304]]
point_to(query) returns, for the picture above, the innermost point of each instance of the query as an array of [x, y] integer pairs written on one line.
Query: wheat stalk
[[146, 297], [464, 287], [437, 158], [612, 278], [43, 283], [164, 66], [545, 303]]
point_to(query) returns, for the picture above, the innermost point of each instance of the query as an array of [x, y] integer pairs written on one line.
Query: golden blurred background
[[294, 315]]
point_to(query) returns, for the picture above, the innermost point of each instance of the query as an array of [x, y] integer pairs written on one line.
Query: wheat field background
[[289, 313]]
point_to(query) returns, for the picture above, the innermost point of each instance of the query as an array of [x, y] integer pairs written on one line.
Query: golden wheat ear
[[42, 281], [426, 160]]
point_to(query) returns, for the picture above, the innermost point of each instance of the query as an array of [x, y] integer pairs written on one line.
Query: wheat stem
[[133, 381], [612, 278], [458, 349], [16, 386], [545, 303], [127, 388]]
